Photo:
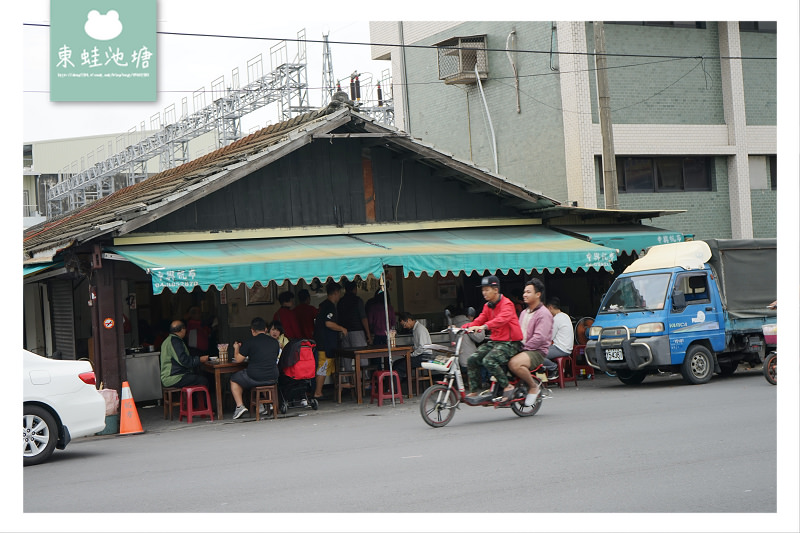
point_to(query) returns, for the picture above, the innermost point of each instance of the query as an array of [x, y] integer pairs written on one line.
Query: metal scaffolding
[[285, 84], [168, 137]]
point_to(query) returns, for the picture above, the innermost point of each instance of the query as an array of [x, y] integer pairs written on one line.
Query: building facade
[[693, 107]]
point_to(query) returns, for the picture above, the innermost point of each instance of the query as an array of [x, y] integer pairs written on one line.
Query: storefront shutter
[[63, 318]]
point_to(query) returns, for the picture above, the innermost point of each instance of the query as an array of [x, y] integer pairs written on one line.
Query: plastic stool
[[377, 386], [188, 410], [578, 358], [169, 402], [266, 394], [566, 371]]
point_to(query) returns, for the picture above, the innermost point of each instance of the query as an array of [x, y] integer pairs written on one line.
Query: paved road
[[661, 447]]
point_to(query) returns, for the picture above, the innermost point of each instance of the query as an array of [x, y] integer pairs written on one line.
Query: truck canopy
[[747, 271]]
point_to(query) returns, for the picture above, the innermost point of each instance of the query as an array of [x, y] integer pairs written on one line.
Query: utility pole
[[609, 158]]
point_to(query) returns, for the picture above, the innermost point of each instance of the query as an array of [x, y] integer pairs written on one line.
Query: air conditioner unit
[[458, 58]]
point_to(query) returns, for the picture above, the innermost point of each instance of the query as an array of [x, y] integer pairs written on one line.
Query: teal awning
[[218, 263], [505, 248], [27, 270], [625, 238]]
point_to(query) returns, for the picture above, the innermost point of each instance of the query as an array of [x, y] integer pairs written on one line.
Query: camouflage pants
[[491, 355]]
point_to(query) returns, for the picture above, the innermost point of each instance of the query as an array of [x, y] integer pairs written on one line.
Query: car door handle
[[709, 308]]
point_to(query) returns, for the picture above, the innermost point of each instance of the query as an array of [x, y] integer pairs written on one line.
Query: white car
[[60, 403]]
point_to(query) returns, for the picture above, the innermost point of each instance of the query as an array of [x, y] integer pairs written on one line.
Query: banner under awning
[[625, 238], [218, 263]]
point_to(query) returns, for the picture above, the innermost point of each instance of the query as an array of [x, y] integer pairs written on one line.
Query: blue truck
[[694, 307]]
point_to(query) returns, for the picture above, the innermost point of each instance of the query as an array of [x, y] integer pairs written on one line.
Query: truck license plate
[[614, 354]]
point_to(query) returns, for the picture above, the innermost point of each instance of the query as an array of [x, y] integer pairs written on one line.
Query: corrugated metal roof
[[160, 194]]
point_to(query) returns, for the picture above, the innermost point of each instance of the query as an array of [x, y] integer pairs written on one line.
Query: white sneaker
[[240, 410], [264, 410]]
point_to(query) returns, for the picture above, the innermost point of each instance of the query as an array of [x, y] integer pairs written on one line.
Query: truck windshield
[[636, 293]]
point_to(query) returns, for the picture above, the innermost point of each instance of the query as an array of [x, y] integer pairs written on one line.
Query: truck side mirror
[[678, 300]]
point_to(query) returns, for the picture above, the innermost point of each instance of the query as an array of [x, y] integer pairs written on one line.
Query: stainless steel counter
[[436, 338], [144, 375]]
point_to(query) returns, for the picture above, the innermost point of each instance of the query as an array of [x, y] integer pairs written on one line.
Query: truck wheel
[[698, 365], [631, 377]]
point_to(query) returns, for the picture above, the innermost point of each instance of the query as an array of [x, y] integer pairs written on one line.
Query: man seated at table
[[421, 337], [262, 364], [178, 368]]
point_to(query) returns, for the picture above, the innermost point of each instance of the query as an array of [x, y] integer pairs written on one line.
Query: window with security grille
[[661, 174], [460, 56]]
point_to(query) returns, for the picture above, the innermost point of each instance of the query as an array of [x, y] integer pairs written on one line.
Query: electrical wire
[[427, 46], [438, 82], [699, 63]]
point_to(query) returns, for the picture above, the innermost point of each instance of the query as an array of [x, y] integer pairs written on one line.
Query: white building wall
[[577, 115], [80, 153], [388, 32]]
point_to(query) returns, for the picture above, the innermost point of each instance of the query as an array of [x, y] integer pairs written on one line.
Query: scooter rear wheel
[[519, 407], [438, 405], [771, 368]]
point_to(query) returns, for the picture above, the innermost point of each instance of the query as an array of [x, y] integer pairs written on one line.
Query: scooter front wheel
[[438, 405]]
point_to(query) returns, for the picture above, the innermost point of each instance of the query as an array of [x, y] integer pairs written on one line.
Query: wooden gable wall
[[323, 184]]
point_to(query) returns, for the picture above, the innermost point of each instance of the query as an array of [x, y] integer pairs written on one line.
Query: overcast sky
[[188, 63]]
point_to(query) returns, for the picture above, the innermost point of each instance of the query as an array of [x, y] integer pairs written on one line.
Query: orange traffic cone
[[128, 417]]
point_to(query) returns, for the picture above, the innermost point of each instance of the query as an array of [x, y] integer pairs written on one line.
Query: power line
[[699, 63], [434, 47], [437, 82]]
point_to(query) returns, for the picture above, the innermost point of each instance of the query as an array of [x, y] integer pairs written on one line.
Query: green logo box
[[103, 50]]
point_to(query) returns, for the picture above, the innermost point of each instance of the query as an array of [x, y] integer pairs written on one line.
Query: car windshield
[[636, 293]]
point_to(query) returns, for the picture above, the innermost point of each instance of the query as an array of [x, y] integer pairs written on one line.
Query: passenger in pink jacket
[[537, 327]]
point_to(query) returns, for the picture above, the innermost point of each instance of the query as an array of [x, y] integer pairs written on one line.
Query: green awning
[[27, 270], [625, 238], [505, 248], [218, 263]]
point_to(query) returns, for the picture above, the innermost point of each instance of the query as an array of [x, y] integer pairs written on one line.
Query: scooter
[[771, 360], [439, 402]]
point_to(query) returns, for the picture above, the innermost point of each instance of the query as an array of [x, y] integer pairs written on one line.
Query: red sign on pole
[[108, 323]]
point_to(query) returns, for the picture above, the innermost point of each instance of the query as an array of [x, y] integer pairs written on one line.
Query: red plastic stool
[[566, 371], [188, 410], [582, 368], [377, 387]]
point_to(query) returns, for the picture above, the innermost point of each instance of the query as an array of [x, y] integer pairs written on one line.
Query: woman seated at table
[[276, 332], [262, 352]]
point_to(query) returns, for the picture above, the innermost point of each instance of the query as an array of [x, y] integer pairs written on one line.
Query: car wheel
[[39, 435], [698, 365]]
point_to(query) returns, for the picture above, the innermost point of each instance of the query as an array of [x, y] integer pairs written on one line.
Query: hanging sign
[[108, 323]]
